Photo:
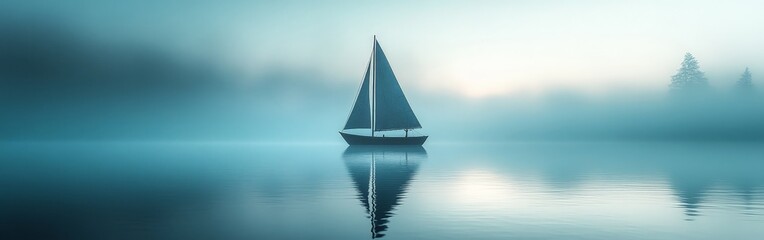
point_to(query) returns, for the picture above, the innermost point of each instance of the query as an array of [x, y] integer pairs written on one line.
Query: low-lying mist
[[58, 85]]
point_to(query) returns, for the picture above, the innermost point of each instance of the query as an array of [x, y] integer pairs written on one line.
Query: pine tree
[[745, 81], [689, 76]]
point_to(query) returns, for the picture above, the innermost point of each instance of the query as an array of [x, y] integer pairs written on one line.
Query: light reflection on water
[[628, 190]]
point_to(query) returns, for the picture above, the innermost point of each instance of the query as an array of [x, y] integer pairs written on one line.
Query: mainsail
[[392, 110], [381, 104]]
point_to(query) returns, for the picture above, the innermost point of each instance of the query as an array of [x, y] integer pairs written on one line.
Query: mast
[[374, 86]]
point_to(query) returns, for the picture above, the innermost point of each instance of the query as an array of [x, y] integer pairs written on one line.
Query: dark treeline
[[689, 78]]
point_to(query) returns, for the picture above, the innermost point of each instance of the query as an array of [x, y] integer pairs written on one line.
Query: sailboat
[[381, 107]]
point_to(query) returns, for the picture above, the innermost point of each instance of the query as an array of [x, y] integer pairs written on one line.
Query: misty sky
[[470, 48], [288, 70]]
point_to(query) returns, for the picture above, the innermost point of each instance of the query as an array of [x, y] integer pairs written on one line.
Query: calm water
[[441, 191]]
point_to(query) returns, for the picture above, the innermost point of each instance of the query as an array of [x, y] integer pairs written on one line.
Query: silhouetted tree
[[745, 81], [689, 76]]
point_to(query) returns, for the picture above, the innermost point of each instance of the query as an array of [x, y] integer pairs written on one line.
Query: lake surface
[[604, 190]]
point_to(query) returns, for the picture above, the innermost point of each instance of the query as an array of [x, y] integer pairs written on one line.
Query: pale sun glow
[[482, 188]]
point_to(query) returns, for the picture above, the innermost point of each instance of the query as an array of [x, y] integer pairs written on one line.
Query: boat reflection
[[381, 175]]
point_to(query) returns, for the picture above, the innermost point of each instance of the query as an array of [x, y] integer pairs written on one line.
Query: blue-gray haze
[[547, 120], [202, 71]]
